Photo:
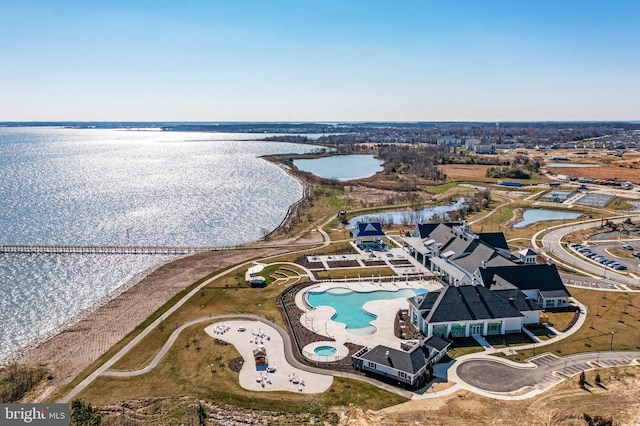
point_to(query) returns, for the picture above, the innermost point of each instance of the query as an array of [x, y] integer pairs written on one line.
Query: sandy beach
[[68, 353]]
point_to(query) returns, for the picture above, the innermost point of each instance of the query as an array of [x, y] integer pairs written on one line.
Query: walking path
[[480, 373]]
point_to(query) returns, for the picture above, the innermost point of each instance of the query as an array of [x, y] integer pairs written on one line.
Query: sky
[[311, 60]]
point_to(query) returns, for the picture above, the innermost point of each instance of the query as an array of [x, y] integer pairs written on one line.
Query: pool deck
[[258, 379], [319, 319]]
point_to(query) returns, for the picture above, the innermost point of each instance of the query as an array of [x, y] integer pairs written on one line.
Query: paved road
[[497, 375], [551, 243]]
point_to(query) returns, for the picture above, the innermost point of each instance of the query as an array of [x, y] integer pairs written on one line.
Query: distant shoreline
[[106, 322]]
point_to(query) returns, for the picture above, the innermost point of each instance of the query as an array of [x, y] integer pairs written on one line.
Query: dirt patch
[[461, 172], [564, 404], [605, 172], [517, 217], [166, 411]]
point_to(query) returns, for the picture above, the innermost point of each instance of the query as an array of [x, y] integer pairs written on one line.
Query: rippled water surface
[[120, 187]]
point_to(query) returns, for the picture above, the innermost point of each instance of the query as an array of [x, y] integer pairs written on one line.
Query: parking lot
[[598, 253]]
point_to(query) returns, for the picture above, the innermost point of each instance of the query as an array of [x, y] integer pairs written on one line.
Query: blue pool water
[[325, 350], [349, 305]]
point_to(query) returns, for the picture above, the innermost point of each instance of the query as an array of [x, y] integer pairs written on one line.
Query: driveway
[[498, 375]]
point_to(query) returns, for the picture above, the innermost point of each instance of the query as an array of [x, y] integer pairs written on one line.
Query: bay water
[[64, 186]]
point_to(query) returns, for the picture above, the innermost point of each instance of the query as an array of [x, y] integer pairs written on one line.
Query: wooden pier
[[54, 249]]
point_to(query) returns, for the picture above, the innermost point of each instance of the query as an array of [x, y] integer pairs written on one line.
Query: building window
[[371, 365], [440, 330], [494, 327], [402, 374], [458, 330]]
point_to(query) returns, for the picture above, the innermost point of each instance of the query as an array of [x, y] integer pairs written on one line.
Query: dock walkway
[[64, 249]]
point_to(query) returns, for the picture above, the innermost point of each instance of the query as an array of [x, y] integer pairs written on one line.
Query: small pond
[[407, 217], [636, 206], [341, 167], [538, 215]]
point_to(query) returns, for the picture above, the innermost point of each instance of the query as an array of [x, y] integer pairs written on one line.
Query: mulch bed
[[375, 263], [400, 263], [403, 328], [236, 364], [302, 336], [302, 261], [343, 263]]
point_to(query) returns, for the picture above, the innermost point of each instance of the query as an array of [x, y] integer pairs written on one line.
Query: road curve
[[493, 374], [551, 243]]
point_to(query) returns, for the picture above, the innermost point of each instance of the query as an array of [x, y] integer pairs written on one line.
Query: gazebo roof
[[371, 229]]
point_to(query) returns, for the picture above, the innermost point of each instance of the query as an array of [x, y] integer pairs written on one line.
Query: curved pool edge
[[341, 351]]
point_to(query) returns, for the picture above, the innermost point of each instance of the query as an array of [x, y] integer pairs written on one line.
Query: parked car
[[627, 246], [636, 254]]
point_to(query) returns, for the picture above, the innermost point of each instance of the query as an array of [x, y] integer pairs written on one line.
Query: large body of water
[[341, 167], [118, 187]]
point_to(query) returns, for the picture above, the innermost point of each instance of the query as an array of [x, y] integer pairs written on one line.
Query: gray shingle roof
[[518, 299], [424, 229], [544, 278], [494, 239], [467, 303], [410, 362]]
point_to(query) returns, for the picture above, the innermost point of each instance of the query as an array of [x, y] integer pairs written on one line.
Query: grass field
[[365, 273], [187, 371], [607, 312], [204, 373]]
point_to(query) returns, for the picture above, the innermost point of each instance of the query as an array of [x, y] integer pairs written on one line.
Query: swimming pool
[[349, 305], [325, 350]]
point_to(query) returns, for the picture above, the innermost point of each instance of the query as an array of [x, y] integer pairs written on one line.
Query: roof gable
[[544, 278], [466, 303], [370, 229], [494, 239], [423, 230]]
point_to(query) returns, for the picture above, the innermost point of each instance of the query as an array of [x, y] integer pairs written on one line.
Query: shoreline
[[18, 354], [70, 348]]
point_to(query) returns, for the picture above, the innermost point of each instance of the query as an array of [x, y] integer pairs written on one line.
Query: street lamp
[[611, 346]]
